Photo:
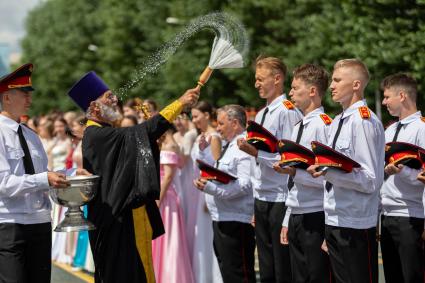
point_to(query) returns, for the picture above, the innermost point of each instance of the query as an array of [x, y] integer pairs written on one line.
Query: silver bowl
[[82, 190]]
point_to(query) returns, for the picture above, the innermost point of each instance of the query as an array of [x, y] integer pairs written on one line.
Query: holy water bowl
[[82, 189]]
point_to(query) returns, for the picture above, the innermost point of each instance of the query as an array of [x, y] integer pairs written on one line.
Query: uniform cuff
[[42, 180], [171, 111]]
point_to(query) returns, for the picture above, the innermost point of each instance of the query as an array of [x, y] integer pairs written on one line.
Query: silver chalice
[[82, 189]]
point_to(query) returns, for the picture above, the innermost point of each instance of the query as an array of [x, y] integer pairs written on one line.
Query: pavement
[[62, 273]]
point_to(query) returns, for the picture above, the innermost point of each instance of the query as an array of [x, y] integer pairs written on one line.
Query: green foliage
[[388, 35]]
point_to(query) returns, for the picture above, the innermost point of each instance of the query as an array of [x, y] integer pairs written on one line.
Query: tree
[[388, 35]]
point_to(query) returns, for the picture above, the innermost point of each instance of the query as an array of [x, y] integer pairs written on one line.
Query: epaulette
[[288, 104], [326, 119], [364, 112], [423, 119]]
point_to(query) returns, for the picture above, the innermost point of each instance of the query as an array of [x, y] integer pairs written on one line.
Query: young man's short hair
[[355, 64], [401, 81], [313, 75], [274, 64]]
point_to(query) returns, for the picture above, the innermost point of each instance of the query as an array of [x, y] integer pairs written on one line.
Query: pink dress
[[170, 254]]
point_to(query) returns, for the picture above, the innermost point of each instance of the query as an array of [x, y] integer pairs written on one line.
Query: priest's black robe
[[127, 161]]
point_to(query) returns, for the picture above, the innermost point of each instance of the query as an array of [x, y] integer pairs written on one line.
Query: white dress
[[204, 262], [185, 179], [59, 240]]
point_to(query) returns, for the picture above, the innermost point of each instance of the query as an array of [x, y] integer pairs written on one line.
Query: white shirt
[[23, 198], [269, 185], [401, 194], [233, 201], [353, 201], [306, 196]]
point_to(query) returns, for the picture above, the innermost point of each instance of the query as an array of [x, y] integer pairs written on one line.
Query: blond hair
[[272, 63], [357, 65]]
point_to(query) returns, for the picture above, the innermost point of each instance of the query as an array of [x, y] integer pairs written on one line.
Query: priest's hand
[[190, 97], [200, 183], [57, 180], [82, 171], [392, 169], [421, 177], [286, 170], [246, 147], [313, 171]]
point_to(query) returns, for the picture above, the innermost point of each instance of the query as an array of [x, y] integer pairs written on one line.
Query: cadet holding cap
[[304, 222], [352, 199], [127, 161], [25, 222], [270, 188], [230, 201], [401, 194]]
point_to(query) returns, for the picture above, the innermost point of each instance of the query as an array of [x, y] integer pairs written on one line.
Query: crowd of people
[[309, 222]]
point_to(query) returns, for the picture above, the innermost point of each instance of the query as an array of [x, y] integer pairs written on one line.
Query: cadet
[[352, 199], [270, 188], [309, 263], [25, 228], [401, 193]]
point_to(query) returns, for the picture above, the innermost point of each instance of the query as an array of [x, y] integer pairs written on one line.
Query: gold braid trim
[[143, 235], [171, 111], [93, 123]]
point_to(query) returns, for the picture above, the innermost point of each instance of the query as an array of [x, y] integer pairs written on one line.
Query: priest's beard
[[109, 113]]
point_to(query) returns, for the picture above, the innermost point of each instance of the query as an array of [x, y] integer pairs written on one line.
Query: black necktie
[[328, 185], [29, 167], [264, 115], [397, 131], [300, 133], [223, 151]]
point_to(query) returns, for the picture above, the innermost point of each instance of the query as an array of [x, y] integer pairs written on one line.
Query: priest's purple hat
[[89, 88]]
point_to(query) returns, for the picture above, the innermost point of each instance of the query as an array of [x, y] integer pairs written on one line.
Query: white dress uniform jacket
[[353, 201], [401, 194], [269, 185], [23, 198], [306, 196], [233, 201]]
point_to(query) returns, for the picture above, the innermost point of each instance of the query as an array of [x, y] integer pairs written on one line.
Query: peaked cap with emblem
[[211, 173], [18, 79], [329, 157], [260, 137], [294, 154], [403, 153]]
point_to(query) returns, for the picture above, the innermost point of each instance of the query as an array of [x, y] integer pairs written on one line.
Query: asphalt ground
[[62, 273]]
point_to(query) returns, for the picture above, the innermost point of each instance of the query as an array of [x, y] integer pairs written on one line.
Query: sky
[[12, 21]]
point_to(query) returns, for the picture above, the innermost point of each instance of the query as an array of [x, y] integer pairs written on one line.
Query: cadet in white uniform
[[270, 188], [401, 193], [352, 199], [25, 229], [305, 218], [231, 205]]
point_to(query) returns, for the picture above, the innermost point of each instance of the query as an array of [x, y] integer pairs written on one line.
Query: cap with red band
[[327, 156], [261, 138], [18, 79]]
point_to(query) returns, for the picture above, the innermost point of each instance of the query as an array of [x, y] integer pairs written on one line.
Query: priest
[[127, 160]]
